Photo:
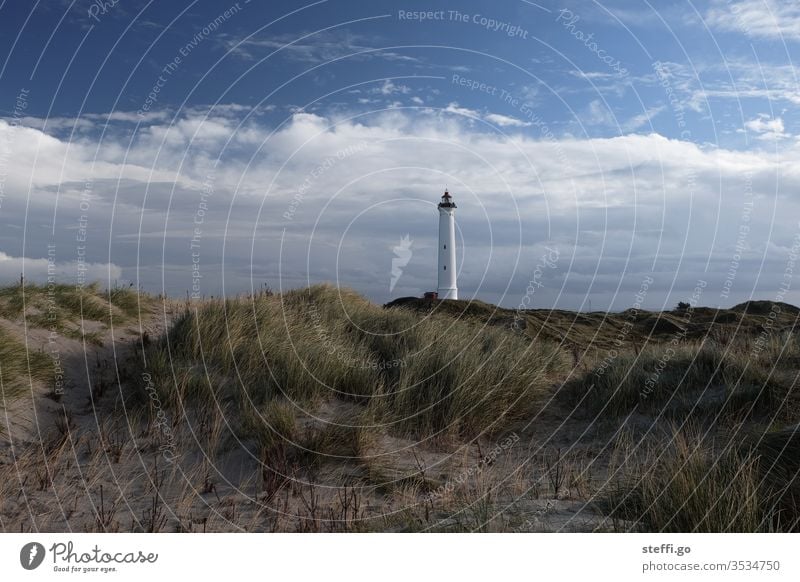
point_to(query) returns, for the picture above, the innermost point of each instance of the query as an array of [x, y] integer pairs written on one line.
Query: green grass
[[466, 379], [313, 375], [128, 300], [328, 391], [693, 485], [19, 367], [702, 379], [62, 307], [285, 436], [686, 487], [418, 375], [778, 454]]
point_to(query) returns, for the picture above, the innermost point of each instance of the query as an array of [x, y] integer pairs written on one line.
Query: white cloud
[[455, 109], [643, 119], [766, 127], [597, 113], [355, 185], [505, 121], [319, 47], [492, 118], [700, 97], [529, 93], [593, 75], [390, 88], [130, 116], [770, 19], [36, 270], [698, 85]]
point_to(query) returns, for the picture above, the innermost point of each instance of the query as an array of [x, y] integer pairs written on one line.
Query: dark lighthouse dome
[[447, 201]]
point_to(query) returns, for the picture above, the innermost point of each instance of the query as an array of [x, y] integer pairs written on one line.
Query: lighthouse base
[[451, 293]]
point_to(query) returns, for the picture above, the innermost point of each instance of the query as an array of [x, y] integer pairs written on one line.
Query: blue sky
[[221, 146]]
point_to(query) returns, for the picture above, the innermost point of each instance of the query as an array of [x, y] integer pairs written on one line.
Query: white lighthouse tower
[[447, 248]]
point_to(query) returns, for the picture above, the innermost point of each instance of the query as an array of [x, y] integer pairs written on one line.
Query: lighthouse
[[447, 248]]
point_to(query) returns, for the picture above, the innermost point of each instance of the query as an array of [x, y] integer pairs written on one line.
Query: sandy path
[[85, 367]]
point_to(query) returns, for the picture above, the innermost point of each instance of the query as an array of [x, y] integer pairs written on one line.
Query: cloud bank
[[221, 201]]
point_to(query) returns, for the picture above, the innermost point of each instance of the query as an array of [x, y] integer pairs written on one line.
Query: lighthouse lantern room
[[447, 248]]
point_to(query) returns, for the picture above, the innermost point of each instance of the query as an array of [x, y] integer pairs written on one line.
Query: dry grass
[[317, 411], [62, 306], [691, 379], [20, 367], [778, 455], [418, 375], [686, 487], [695, 484]]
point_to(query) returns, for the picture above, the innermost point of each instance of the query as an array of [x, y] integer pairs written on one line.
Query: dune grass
[[19, 367], [59, 308], [417, 375], [62, 306], [778, 455], [465, 377], [317, 396], [694, 485], [699, 379], [686, 488]]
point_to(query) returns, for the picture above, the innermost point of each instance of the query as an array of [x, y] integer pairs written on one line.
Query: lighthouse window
[[445, 267], [445, 246]]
